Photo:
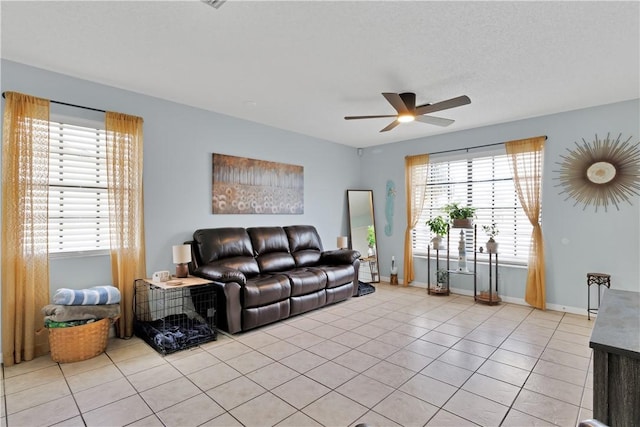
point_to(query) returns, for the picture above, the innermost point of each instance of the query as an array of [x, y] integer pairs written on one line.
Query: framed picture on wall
[[249, 186]]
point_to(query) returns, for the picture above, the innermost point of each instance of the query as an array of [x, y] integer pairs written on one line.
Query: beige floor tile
[[405, 409], [331, 374], [390, 374], [411, 330], [520, 419], [30, 366], [72, 422], [346, 324], [350, 339], [333, 409], [580, 340], [304, 323], [557, 389], [327, 331], [191, 412], [272, 375], [228, 351], [423, 322], [19, 383], [35, 396], [546, 408], [575, 329], [566, 359], [169, 394], [378, 349], [447, 419], [502, 372], [447, 373], [154, 377], [560, 372], [368, 330], [49, 413], [138, 349], [298, 419], [303, 361], [373, 419], [93, 378], [305, 340], [587, 399], [426, 348], [514, 359], [356, 360], [259, 339], [235, 393], [329, 349], [364, 317], [139, 364], [300, 391], [365, 390], [224, 420], [479, 409], [103, 394], [462, 359], [396, 339], [455, 330], [585, 414], [568, 347], [496, 390], [120, 413], [484, 337], [86, 365], [279, 350], [264, 410], [428, 389], [522, 347], [283, 331], [150, 421], [323, 316], [249, 362], [532, 338], [440, 338], [409, 360], [475, 348], [195, 362]]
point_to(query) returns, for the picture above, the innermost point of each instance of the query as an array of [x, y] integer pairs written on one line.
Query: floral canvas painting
[[249, 186]]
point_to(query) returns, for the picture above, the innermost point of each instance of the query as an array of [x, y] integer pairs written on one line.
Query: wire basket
[[77, 343]]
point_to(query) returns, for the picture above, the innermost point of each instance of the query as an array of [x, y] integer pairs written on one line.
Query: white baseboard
[[511, 300]]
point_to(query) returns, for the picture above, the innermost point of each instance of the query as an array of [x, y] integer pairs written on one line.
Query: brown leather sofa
[[265, 274]]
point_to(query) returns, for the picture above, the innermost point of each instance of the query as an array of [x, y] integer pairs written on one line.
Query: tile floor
[[394, 357]]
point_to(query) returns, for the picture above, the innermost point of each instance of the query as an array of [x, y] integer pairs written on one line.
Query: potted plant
[[371, 240], [492, 231], [461, 217], [438, 226]]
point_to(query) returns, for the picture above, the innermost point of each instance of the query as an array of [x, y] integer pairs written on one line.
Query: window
[[78, 199], [486, 184]]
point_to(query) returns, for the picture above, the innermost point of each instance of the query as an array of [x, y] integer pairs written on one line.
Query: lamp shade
[[181, 254], [343, 242]]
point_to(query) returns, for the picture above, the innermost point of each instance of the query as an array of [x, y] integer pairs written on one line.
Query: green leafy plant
[[438, 226], [455, 211], [371, 236], [491, 230]]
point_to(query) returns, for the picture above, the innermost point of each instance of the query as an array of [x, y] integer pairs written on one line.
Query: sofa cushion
[[226, 247], [271, 249], [304, 244], [308, 302], [266, 289], [305, 281], [337, 275]]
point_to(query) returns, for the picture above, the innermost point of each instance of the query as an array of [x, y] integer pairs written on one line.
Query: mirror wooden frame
[[361, 219]]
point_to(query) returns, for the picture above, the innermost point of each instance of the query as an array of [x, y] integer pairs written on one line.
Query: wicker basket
[[77, 343]]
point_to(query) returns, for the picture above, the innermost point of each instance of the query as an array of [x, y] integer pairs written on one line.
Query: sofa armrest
[[339, 256], [221, 274]]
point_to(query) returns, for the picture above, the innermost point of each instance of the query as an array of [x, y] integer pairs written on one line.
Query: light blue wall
[[178, 143], [577, 241]]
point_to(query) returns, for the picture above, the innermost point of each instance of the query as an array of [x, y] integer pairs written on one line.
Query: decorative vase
[[463, 223], [371, 251], [437, 242], [492, 246], [462, 253]]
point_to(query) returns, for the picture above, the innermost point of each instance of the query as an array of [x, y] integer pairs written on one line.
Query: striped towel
[[96, 295]]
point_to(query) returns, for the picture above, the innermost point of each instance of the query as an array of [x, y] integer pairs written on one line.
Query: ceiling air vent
[[214, 3]]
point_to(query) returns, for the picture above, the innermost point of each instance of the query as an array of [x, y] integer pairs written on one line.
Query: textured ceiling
[[303, 65]]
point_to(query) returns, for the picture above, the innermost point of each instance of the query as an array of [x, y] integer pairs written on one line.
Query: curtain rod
[[477, 146], [71, 105]]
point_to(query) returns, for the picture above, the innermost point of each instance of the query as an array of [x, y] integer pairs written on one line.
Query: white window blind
[[486, 184], [78, 199]]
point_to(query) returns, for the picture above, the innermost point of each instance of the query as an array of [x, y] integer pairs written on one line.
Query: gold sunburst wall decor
[[602, 172]]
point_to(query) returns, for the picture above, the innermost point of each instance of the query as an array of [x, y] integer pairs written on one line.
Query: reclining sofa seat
[[265, 274]]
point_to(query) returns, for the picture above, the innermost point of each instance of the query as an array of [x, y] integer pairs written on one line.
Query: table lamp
[[181, 257], [343, 242]]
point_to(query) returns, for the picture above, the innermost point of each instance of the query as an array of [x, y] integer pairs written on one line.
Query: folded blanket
[[91, 296], [66, 313]]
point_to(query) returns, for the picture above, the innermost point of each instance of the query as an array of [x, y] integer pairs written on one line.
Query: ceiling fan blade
[[444, 105], [438, 121], [367, 117], [397, 102], [390, 126]]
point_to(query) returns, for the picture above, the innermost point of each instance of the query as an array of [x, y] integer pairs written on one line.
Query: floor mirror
[[362, 233]]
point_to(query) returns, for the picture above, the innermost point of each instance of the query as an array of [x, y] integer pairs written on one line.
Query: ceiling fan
[[405, 105]]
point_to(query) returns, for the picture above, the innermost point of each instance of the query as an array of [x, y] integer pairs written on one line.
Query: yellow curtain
[[25, 196], [415, 176], [525, 159], [126, 210]]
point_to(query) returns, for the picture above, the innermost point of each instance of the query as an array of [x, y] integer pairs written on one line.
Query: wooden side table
[[596, 279]]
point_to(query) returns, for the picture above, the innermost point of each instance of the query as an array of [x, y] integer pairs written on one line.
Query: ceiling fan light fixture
[[406, 118]]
